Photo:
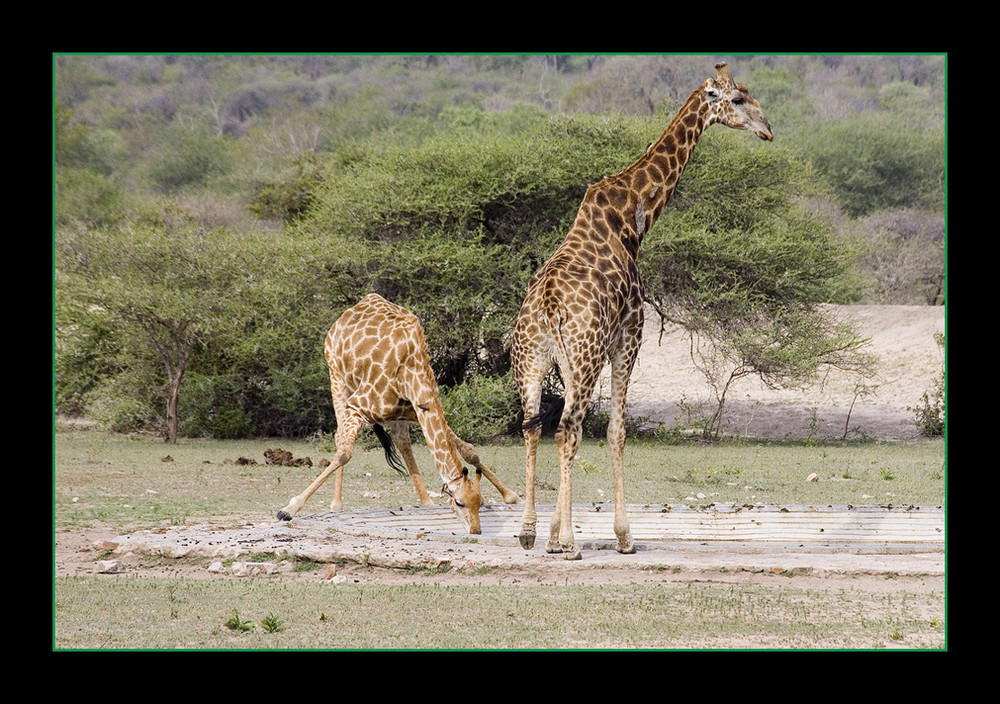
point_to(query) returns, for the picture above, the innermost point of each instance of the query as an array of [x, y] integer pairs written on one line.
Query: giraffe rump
[[391, 456]]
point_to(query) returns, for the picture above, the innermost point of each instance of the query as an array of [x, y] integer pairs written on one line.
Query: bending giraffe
[[584, 306], [380, 373]]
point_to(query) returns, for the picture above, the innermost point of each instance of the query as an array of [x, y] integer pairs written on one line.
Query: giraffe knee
[[343, 457]]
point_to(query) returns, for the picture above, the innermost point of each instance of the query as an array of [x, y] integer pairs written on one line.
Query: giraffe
[[584, 305], [380, 373]]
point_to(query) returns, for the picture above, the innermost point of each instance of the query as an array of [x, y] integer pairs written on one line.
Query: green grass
[[224, 614], [123, 482]]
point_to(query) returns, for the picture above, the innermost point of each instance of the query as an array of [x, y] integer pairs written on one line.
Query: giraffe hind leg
[[532, 430], [561, 538], [401, 437]]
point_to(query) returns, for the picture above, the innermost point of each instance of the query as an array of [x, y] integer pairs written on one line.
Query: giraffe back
[[379, 350]]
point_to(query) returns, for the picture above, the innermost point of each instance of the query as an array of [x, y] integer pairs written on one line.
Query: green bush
[[482, 408], [875, 163], [210, 407], [189, 158], [88, 197]]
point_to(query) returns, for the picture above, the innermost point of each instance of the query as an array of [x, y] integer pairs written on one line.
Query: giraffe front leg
[[296, 503], [344, 452], [616, 445], [621, 370], [470, 455], [338, 490]]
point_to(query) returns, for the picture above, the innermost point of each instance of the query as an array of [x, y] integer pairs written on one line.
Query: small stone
[[109, 566], [813, 477], [253, 569]]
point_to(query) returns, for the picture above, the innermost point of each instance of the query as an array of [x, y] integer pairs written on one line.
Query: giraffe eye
[[459, 503], [738, 100]]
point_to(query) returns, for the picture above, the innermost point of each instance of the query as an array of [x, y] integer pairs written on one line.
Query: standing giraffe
[[380, 372], [584, 306]]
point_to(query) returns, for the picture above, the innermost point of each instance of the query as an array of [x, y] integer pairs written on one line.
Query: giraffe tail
[[548, 418], [391, 456]]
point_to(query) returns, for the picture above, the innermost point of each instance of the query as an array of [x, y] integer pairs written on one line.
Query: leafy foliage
[[300, 183], [874, 163]]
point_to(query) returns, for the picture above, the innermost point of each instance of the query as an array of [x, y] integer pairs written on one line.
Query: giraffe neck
[[632, 199], [430, 415]]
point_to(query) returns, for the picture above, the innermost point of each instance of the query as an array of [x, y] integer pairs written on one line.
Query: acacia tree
[[743, 269], [177, 282]]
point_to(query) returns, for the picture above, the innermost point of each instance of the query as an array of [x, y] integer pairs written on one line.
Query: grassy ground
[[110, 480], [127, 481], [93, 612]]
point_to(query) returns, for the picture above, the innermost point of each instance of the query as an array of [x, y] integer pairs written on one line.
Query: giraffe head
[[466, 498], [732, 105]]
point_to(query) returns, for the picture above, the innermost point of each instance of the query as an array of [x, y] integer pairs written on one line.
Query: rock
[[253, 569], [109, 566], [813, 477], [108, 545], [331, 575], [217, 567]]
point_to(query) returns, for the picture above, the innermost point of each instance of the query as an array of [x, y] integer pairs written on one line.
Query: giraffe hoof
[[284, 516], [527, 539], [626, 545], [573, 554], [627, 549]]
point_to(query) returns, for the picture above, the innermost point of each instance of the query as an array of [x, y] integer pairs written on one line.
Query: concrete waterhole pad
[[757, 538]]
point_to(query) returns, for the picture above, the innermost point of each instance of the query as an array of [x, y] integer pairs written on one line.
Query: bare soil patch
[[664, 381]]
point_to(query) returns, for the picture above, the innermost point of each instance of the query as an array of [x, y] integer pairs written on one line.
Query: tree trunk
[[175, 361], [172, 397]]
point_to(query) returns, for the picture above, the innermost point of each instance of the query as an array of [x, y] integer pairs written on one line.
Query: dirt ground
[[665, 380]]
